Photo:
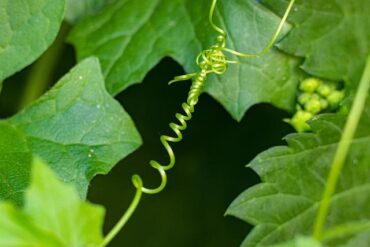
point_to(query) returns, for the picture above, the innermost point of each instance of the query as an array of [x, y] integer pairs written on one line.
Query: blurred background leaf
[[28, 27]]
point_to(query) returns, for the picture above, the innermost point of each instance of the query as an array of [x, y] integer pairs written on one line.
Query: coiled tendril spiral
[[210, 61]]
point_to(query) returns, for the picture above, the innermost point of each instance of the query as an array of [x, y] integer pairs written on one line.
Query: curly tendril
[[209, 61]]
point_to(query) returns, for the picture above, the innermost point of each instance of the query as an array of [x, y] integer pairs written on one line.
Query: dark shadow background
[[210, 170]]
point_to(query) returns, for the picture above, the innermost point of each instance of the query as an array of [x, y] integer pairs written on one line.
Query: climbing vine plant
[[310, 58]]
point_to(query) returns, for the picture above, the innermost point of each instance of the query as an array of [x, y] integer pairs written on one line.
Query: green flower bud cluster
[[315, 96]]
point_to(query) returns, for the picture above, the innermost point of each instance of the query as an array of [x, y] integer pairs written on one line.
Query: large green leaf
[[332, 35], [27, 28], [294, 176], [131, 36], [53, 215], [76, 10], [77, 128]]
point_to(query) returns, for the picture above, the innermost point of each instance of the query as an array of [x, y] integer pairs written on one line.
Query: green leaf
[[359, 230], [57, 208], [27, 28], [130, 37], [53, 215], [76, 10], [15, 160], [18, 229], [77, 128], [333, 37], [294, 176], [361, 240], [300, 242]]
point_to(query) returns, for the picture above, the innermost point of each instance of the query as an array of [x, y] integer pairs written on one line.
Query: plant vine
[[209, 61], [353, 120]]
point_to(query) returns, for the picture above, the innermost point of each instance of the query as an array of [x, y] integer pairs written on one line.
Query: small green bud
[[315, 96], [313, 106], [324, 90], [303, 98], [335, 98], [299, 121], [309, 85], [324, 104]]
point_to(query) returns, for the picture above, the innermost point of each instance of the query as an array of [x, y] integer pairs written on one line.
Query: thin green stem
[[42, 71], [124, 219], [272, 40], [213, 25], [342, 151]]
